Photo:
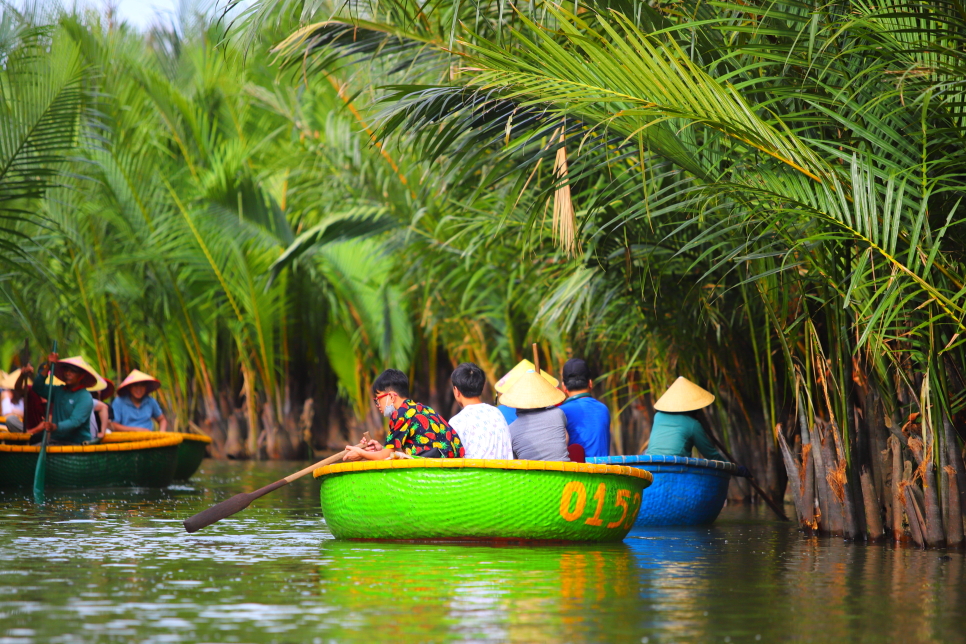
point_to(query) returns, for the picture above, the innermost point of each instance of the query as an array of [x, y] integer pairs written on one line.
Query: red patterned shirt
[[415, 428]]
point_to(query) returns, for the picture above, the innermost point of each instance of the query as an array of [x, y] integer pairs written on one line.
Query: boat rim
[[657, 459], [480, 463], [161, 441], [126, 437]]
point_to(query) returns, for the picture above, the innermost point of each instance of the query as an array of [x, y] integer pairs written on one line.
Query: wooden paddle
[[751, 479], [241, 501], [40, 472]]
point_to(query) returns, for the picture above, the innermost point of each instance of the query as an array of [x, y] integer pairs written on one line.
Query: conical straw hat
[[89, 378], [11, 380], [503, 384], [682, 396], [139, 377], [104, 388], [531, 391]]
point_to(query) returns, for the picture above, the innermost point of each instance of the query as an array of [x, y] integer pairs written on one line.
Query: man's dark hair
[[392, 380], [576, 374], [469, 379]]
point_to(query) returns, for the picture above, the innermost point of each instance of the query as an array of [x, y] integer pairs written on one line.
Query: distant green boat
[[481, 500], [191, 451], [138, 463]]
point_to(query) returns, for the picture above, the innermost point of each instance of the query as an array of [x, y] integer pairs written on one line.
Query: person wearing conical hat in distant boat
[[676, 428], [540, 431], [70, 404], [12, 401], [503, 385], [588, 419], [134, 408], [20, 383]]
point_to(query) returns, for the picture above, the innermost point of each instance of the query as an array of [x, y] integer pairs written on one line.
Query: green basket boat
[[143, 463], [481, 500], [191, 451]]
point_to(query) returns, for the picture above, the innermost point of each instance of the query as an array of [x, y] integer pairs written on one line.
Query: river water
[[117, 566]]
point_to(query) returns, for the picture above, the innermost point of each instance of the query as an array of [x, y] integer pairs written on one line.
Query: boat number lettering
[[574, 488], [622, 496], [573, 502]]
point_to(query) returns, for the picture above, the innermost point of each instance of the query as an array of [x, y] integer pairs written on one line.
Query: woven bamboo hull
[[191, 451], [190, 454], [144, 464], [686, 491], [476, 500]]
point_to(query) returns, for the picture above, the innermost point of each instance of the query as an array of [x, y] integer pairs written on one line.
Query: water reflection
[[511, 593], [115, 566]]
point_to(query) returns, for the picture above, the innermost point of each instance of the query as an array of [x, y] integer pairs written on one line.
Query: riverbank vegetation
[[765, 198]]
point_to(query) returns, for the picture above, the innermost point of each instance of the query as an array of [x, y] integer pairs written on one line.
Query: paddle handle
[[50, 388], [40, 471], [751, 479], [311, 468], [241, 501]]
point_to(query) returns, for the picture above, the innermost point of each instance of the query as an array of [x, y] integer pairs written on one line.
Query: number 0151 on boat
[[480, 500]]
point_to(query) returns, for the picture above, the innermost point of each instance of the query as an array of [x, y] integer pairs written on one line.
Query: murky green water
[[115, 566]]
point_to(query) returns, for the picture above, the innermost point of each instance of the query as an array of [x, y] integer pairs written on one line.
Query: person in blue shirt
[[134, 409], [588, 419]]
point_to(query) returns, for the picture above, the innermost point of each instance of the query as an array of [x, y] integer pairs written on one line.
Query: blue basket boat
[[685, 491]]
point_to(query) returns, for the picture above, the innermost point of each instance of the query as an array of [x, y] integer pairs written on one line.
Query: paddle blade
[[227, 508], [218, 512]]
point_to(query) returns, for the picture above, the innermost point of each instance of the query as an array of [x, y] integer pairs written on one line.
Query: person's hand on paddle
[[353, 453], [44, 424], [369, 445], [51, 359]]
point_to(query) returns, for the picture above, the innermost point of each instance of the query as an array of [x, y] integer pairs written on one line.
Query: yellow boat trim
[[198, 438], [126, 437], [14, 436], [479, 463], [160, 440]]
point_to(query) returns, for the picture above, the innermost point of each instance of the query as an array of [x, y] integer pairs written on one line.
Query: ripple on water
[[116, 566]]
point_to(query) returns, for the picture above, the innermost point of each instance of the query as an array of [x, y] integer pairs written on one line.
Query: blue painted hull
[[685, 491]]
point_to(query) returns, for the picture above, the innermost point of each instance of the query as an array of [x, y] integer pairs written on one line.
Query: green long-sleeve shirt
[[676, 434], [69, 410]]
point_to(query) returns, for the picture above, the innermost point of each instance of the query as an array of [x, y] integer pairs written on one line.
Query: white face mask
[[389, 409]]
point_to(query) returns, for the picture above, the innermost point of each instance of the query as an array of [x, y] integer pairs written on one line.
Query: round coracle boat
[[686, 491], [480, 500], [191, 451], [143, 463]]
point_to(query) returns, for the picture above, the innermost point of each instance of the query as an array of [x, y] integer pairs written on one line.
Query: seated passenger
[[588, 419], [413, 428], [540, 431], [12, 401], [71, 405], [134, 409], [481, 427], [503, 385], [676, 428], [102, 415]]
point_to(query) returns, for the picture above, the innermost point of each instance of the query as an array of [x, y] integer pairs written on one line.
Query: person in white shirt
[[481, 427]]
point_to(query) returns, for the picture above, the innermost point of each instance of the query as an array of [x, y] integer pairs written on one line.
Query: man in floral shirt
[[414, 428]]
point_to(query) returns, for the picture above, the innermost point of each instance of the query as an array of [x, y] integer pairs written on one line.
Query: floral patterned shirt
[[416, 428]]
